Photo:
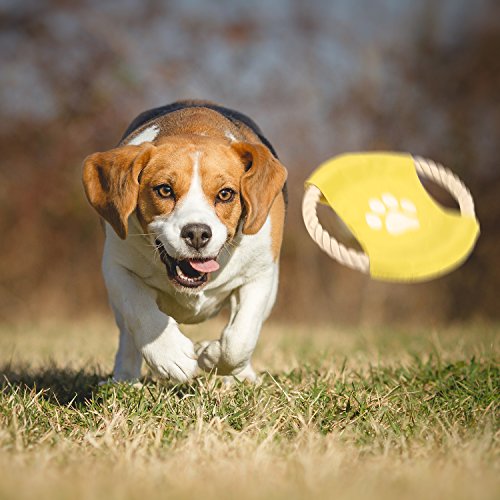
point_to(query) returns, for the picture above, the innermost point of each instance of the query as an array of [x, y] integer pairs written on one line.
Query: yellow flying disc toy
[[405, 234]]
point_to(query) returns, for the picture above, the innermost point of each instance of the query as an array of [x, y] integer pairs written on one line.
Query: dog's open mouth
[[190, 273]]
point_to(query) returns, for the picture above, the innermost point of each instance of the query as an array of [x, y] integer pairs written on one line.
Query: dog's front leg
[[250, 306], [156, 336]]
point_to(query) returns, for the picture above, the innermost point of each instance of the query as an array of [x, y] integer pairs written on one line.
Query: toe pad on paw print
[[406, 234]]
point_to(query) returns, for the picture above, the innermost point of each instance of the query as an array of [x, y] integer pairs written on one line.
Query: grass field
[[384, 413]]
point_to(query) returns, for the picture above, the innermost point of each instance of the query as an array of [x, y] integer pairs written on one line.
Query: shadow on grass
[[72, 387], [63, 386]]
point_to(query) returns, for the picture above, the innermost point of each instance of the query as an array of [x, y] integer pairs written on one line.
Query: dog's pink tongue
[[204, 266]]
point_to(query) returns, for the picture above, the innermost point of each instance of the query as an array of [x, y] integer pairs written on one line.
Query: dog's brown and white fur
[[193, 204]]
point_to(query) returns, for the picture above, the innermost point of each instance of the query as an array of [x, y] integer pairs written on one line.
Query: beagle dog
[[193, 203]]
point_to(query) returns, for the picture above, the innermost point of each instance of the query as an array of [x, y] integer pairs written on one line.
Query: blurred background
[[319, 77]]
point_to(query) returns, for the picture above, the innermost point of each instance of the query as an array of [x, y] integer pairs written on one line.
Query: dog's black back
[[235, 116]]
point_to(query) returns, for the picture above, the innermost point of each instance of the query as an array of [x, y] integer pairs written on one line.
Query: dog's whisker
[[229, 245], [227, 250], [151, 233], [153, 245], [157, 252]]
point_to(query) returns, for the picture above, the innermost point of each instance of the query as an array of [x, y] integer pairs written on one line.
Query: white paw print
[[398, 217]]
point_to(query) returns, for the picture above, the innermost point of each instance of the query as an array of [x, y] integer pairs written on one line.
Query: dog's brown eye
[[225, 195], [164, 191]]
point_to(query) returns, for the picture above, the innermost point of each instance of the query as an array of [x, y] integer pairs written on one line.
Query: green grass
[[382, 412]]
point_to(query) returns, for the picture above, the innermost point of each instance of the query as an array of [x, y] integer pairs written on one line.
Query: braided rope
[[359, 260], [449, 181], [346, 256]]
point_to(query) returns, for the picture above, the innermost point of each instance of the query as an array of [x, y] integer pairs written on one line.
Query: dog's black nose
[[196, 235]]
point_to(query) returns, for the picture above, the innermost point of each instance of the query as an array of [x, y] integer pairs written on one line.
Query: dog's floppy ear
[[111, 181], [262, 181]]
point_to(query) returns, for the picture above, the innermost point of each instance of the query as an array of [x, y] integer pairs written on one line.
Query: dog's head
[[189, 193]]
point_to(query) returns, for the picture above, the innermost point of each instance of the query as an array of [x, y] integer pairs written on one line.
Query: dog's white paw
[[246, 375], [209, 354], [209, 358], [171, 356], [199, 346]]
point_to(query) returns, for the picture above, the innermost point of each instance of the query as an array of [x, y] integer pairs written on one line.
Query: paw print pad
[[397, 217]]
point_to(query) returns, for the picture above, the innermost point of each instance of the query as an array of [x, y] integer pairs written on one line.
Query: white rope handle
[[359, 260]]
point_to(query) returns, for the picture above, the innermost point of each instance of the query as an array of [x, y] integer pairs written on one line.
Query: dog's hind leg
[[128, 360]]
